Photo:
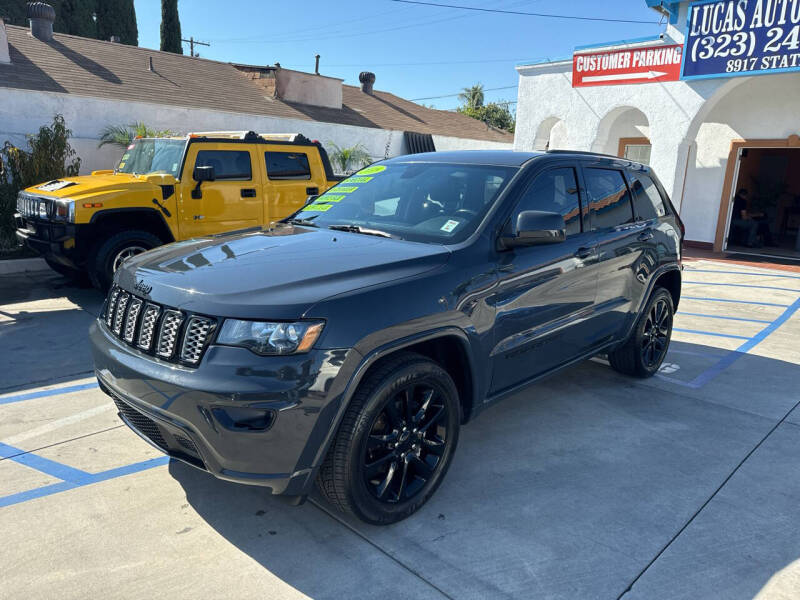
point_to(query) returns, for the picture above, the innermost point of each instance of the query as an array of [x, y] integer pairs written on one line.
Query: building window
[[635, 149]]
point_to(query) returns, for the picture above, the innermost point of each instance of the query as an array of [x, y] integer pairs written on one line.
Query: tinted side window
[[609, 200], [555, 190], [228, 164], [287, 165], [647, 201]]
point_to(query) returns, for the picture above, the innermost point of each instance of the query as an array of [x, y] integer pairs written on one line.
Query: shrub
[[50, 156]]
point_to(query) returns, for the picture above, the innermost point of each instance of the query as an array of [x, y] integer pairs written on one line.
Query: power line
[[527, 14], [418, 64], [508, 87]]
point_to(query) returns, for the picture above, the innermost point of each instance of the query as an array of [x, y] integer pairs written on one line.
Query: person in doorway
[[753, 226]]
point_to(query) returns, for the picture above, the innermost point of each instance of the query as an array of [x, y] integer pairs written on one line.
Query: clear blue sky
[[415, 51]]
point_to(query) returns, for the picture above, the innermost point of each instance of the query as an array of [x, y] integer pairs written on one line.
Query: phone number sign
[[726, 38]]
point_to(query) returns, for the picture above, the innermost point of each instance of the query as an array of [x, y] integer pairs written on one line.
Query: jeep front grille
[[166, 332]]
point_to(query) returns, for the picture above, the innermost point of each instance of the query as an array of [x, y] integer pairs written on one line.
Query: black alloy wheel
[[395, 442], [405, 444], [656, 333], [642, 353]]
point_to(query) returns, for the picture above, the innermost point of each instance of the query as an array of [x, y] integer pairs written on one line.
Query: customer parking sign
[[726, 38]]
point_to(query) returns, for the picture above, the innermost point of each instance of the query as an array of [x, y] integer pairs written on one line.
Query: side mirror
[[200, 175], [534, 227]]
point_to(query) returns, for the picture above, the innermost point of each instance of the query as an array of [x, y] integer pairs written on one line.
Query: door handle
[[248, 193], [312, 191], [646, 235], [584, 252]]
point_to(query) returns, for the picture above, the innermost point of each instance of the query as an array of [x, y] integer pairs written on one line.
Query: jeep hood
[[75, 187], [273, 274]]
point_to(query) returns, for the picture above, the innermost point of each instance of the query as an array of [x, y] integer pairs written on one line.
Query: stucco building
[[95, 83], [707, 135]]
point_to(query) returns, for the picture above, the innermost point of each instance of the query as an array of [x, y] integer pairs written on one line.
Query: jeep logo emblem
[[142, 287]]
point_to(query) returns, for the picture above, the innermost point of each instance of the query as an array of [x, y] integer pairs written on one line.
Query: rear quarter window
[[609, 199], [647, 201], [287, 165]]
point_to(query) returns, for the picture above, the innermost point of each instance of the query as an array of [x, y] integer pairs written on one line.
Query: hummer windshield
[[421, 202], [144, 156]]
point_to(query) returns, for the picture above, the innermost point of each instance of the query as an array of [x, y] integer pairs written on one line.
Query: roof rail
[[587, 153]]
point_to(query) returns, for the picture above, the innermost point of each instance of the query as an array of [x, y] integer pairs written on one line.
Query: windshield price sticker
[[331, 198], [357, 180], [727, 38], [345, 189], [372, 170], [317, 207]]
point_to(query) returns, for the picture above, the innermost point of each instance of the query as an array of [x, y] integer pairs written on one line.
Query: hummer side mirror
[[200, 175]]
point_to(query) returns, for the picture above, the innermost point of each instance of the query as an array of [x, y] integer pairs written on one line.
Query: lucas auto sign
[[645, 64], [726, 38]]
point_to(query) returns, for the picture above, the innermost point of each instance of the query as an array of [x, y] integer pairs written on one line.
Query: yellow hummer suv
[[169, 189]]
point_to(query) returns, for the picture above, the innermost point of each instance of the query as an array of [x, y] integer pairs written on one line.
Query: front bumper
[[184, 411], [55, 240]]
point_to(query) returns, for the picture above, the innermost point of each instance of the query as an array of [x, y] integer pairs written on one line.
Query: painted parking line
[[89, 479], [711, 333], [43, 465], [730, 358], [707, 316], [749, 274], [704, 299], [52, 392], [743, 285]]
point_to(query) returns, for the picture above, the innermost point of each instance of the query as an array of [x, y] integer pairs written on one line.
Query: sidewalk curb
[[22, 265]]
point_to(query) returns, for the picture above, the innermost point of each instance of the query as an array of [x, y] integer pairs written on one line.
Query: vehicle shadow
[[568, 489]]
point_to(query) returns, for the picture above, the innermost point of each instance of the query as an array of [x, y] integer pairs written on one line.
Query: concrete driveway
[[587, 485]]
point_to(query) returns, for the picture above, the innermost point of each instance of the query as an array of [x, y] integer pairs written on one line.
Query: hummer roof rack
[[246, 135]]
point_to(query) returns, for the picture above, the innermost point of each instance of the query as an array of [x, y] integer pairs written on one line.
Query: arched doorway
[[624, 132], [746, 138], [551, 135]]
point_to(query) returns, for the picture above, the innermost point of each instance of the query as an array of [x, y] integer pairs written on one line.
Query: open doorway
[[767, 188]]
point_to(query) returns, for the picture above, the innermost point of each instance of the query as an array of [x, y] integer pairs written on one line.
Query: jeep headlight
[[266, 338]]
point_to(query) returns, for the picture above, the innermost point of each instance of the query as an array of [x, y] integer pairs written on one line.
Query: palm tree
[[123, 135], [349, 159], [472, 96]]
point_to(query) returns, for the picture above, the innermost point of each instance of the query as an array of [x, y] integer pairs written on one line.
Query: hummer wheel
[[114, 251]]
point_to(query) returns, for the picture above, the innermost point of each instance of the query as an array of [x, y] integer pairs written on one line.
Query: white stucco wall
[[23, 112]]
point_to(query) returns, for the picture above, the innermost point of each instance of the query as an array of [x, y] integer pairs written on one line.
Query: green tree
[[50, 157], [170, 27], [123, 135], [76, 17], [14, 12], [494, 114], [346, 160], [117, 17], [472, 97]]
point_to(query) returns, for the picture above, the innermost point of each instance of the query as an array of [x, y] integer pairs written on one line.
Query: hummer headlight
[[268, 338]]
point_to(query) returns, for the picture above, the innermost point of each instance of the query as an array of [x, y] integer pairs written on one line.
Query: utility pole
[[192, 42]]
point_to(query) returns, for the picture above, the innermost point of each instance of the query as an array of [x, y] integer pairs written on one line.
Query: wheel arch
[[670, 281], [119, 219]]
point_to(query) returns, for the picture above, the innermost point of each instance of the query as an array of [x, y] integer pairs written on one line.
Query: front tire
[[111, 253], [643, 352], [395, 442]]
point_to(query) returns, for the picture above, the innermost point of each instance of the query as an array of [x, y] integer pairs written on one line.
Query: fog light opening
[[244, 419]]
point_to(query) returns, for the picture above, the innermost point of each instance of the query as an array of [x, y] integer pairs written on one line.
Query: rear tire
[[643, 352], [110, 254], [395, 442]]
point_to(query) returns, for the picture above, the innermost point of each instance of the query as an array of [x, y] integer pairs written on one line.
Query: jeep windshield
[[160, 155], [421, 202]]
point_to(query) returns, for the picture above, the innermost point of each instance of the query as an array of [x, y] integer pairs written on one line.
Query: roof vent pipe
[[41, 16], [150, 63], [367, 80], [316, 64]]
